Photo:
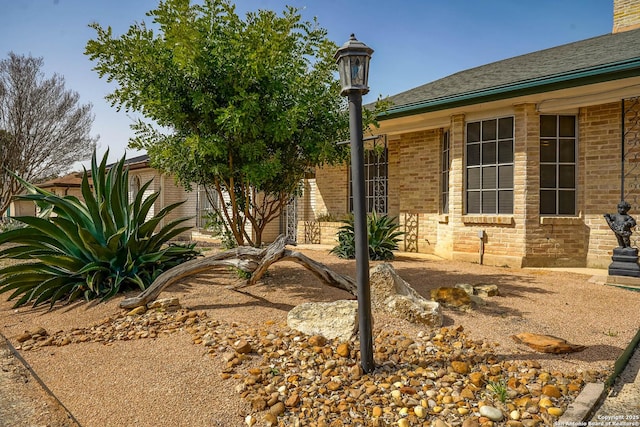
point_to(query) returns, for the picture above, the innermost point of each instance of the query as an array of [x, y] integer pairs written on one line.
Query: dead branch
[[248, 259]]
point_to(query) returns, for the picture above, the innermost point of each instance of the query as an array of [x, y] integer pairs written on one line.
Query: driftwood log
[[249, 259]]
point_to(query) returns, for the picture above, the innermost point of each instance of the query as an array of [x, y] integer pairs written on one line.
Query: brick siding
[[626, 15], [521, 239]]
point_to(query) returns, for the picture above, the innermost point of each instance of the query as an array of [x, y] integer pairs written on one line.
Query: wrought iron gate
[[289, 221], [376, 175], [630, 162]]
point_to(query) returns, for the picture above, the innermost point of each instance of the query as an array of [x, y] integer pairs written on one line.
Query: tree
[[43, 127], [251, 104]]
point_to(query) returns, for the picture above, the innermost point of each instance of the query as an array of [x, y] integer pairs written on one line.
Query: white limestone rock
[[390, 293], [338, 319]]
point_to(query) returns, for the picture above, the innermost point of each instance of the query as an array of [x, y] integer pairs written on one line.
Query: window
[[375, 177], [206, 201], [489, 166], [557, 165], [135, 186], [444, 180]]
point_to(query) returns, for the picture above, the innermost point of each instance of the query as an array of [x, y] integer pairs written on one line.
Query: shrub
[[383, 238], [216, 225], [93, 248]]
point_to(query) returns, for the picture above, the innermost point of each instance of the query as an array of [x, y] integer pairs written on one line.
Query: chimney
[[626, 15]]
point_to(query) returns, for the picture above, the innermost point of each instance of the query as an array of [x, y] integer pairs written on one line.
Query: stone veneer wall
[[417, 192], [332, 196], [521, 239], [601, 150], [626, 15]]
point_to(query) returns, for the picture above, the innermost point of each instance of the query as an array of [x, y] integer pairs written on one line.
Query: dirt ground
[[170, 381]]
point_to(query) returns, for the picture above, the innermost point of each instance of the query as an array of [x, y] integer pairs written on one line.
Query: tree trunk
[[246, 258]]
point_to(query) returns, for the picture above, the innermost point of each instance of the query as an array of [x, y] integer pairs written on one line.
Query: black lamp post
[[353, 62]]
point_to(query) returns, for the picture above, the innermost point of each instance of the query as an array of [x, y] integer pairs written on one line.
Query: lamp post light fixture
[[353, 63]]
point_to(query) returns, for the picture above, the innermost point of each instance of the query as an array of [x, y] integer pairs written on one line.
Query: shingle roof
[[73, 179], [569, 58], [138, 159]]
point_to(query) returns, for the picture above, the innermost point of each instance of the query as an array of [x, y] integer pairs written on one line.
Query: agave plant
[[383, 238], [93, 248]]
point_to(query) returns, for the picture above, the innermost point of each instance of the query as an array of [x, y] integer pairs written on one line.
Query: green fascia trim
[[609, 72]]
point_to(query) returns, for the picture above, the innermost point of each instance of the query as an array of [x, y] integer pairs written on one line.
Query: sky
[[414, 41]]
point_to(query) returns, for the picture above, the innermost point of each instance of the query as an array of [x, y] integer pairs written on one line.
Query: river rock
[[452, 297], [391, 294], [486, 290], [465, 287], [165, 304], [471, 422], [494, 414], [338, 319]]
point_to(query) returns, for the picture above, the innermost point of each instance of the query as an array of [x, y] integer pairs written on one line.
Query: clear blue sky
[[415, 41]]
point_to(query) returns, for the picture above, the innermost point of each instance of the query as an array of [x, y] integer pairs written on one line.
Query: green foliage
[[218, 228], [498, 389], [253, 103], [383, 238], [93, 248]]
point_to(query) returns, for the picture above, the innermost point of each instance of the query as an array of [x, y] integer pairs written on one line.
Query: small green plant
[[611, 333], [383, 238], [245, 275], [216, 225], [498, 389], [93, 248]]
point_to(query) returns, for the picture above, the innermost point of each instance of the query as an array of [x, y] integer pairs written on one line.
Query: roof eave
[[604, 73]]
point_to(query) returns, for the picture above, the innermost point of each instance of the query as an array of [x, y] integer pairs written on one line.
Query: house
[[510, 163], [196, 204], [69, 184]]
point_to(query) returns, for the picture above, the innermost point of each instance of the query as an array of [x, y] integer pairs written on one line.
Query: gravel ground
[[23, 401], [107, 377]]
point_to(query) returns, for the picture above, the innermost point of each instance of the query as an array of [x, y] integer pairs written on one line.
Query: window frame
[[376, 157], [486, 170], [445, 168], [557, 164]]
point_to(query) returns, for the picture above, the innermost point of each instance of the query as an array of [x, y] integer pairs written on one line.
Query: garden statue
[[625, 258], [621, 224]]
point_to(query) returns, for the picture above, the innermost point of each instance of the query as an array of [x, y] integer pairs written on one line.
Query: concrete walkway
[[621, 406]]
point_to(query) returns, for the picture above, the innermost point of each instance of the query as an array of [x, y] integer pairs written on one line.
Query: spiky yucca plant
[[93, 248], [383, 236]]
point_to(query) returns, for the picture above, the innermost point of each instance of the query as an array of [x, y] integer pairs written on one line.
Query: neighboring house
[[69, 184], [510, 163], [196, 203], [140, 172]]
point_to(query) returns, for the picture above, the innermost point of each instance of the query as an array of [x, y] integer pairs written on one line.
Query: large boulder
[[338, 319], [391, 294]]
